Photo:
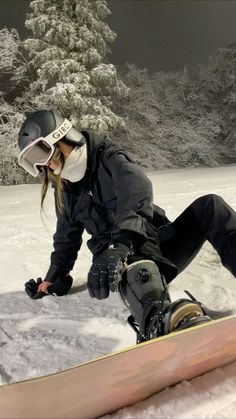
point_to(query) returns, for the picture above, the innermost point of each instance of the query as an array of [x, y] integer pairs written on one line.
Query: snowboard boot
[[145, 294], [144, 291]]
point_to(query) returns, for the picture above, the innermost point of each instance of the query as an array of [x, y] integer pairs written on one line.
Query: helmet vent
[[25, 134]]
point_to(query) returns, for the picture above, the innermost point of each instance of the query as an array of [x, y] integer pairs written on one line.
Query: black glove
[[31, 288], [60, 286], [105, 272]]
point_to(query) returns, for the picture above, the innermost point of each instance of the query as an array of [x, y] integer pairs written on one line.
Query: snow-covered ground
[[48, 335]]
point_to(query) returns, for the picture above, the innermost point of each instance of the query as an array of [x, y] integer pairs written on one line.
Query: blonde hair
[[49, 176]]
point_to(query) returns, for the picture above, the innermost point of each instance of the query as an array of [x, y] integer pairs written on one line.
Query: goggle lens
[[36, 154]]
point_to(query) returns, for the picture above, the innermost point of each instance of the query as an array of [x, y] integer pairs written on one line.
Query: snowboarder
[[99, 188]]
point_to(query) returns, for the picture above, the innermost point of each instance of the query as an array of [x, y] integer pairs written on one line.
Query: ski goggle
[[40, 151]]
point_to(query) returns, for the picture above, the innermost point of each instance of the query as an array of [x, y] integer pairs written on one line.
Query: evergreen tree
[[165, 126], [13, 65], [217, 86], [68, 53], [10, 120]]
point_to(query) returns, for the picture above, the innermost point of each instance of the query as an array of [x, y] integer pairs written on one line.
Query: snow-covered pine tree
[[10, 120], [165, 126], [69, 53], [217, 90], [13, 65]]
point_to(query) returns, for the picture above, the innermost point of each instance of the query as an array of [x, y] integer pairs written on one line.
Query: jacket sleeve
[[134, 194], [67, 241]]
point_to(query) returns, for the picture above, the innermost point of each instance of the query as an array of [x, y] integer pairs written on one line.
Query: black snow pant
[[208, 218]]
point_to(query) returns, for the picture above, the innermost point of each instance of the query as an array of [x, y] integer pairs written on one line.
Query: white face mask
[[75, 164]]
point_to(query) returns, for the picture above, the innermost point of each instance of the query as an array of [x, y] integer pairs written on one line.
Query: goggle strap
[[59, 132]]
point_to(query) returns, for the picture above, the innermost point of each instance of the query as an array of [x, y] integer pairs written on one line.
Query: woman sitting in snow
[[99, 188]]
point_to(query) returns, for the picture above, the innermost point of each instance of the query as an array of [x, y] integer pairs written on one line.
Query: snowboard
[[106, 384]]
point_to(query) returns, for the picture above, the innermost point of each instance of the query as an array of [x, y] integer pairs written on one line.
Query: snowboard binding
[[144, 291]]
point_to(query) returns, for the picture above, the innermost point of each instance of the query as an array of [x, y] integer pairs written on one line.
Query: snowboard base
[[120, 379]]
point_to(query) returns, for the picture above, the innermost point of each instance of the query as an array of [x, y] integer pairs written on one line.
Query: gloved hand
[[60, 286], [105, 272], [31, 288]]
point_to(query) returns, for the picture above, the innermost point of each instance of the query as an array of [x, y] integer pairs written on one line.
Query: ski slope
[[49, 335]]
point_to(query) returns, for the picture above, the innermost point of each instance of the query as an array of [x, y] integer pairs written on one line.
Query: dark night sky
[[157, 34]]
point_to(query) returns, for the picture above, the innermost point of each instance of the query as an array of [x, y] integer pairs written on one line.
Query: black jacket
[[113, 203]]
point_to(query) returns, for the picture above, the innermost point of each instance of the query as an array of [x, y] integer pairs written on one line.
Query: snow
[[48, 335]]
